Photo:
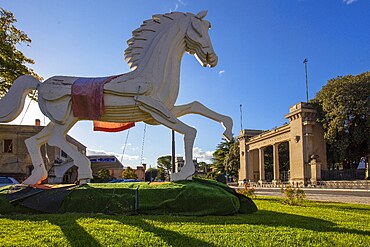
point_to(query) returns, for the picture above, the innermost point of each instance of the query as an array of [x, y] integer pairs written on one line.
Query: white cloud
[[178, 4], [221, 72], [200, 155], [123, 146], [349, 1], [182, 2]]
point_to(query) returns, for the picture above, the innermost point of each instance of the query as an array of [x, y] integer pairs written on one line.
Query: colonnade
[[261, 163]]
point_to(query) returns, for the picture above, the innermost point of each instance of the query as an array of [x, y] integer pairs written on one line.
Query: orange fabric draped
[[112, 127]]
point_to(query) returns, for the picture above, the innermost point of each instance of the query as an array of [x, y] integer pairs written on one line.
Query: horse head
[[198, 41]]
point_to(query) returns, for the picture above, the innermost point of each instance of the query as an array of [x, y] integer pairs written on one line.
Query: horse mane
[[144, 35]]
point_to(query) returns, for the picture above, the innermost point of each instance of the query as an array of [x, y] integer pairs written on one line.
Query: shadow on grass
[[172, 238], [264, 218], [76, 235]]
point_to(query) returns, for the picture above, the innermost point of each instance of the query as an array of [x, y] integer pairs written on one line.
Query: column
[[275, 154], [250, 168], [261, 163]]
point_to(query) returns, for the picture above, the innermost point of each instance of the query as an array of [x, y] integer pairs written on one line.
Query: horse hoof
[[185, 174], [84, 176], [83, 181], [37, 176], [228, 135]]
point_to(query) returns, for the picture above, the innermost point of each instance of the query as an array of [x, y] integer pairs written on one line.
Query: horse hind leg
[[189, 133], [33, 145], [58, 139]]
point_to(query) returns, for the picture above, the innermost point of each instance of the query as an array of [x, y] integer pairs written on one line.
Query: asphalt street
[[361, 196]]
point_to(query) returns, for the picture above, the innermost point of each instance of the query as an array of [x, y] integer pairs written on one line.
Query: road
[[361, 196]]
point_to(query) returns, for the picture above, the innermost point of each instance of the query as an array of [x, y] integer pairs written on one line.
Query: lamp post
[[305, 68]]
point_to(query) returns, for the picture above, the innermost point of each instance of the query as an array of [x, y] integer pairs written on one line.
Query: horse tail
[[11, 105]]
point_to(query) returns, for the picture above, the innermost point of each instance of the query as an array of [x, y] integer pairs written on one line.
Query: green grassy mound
[[197, 198]]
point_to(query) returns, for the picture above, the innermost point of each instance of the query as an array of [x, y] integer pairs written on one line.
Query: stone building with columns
[[307, 150]]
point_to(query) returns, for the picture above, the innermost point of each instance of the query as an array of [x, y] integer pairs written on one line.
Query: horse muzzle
[[212, 59]]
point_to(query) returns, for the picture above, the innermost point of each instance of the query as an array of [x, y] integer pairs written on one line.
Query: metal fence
[[283, 175], [348, 174]]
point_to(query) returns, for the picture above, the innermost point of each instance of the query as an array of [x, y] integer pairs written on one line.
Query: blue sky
[[260, 44]]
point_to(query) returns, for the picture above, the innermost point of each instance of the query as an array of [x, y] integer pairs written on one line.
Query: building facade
[[139, 171], [15, 160], [180, 162], [307, 149]]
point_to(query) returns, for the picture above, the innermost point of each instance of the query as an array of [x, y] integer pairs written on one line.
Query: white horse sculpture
[[147, 93]]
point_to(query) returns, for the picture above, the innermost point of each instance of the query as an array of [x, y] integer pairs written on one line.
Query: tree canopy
[[129, 173], [226, 159], [344, 108], [13, 63], [164, 165], [151, 174], [102, 176]]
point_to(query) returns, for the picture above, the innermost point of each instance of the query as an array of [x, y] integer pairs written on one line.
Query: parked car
[[4, 181]]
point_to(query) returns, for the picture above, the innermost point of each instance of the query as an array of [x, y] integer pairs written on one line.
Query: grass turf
[[275, 224], [191, 198]]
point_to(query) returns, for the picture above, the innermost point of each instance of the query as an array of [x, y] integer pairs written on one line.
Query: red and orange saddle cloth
[[88, 103]]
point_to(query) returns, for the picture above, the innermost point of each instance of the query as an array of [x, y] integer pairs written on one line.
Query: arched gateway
[[307, 149]]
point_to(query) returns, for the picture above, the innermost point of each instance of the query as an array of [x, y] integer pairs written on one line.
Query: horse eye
[[209, 26]]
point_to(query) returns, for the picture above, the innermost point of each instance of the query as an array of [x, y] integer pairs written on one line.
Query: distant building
[[180, 162], [303, 136], [140, 172], [15, 160]]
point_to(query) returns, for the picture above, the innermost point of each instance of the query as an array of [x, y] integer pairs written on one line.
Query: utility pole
[[173, 151], [305, 68]]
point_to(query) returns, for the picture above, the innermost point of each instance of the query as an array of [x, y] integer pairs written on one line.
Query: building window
[[8, 146], [63, 154]]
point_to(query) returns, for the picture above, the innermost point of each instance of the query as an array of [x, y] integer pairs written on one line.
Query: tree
[[232, 159], [164, 162], [102, 176], [161, 175], [12, 61], [226, 159], [344, 108], [151, 174], [129, 173], [204, 167]]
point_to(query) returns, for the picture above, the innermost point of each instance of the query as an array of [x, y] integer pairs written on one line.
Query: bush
[[102, 176], [247, 191], [293, 196]]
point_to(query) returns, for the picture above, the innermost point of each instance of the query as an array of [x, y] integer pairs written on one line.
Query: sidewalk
[[360, 196]]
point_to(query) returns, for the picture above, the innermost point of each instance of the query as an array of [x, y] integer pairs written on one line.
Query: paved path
[[361, 196]]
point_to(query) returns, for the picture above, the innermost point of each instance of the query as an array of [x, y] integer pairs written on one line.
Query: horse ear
[[201, 14]]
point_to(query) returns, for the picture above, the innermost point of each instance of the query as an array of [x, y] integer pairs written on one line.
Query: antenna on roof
[[241, 117]]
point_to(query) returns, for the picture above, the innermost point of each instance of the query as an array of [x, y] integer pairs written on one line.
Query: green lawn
[[275, 224]]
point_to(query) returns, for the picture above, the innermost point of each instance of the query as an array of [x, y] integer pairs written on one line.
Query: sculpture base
[[175, 198]]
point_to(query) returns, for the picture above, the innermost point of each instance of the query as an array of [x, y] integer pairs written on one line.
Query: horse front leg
[[189, 133], [198, 108]]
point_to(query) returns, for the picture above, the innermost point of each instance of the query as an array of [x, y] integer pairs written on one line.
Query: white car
[[4, 181]]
